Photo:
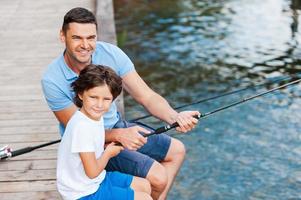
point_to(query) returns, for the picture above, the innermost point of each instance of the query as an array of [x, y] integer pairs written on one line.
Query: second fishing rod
[[7, 152], [276, 80], [203, 115]]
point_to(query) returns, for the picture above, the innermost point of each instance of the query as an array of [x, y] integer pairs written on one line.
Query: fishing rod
[[174, 125], [222, 95], [6, 152]]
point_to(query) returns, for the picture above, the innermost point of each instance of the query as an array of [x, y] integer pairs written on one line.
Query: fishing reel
[[5, 152]]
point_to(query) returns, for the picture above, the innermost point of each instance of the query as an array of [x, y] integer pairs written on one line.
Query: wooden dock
[[29, 33]]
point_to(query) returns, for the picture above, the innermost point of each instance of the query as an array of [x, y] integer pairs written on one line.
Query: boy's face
[[96, 101], [80, 40]]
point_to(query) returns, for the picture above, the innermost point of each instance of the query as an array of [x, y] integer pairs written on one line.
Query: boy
[[81, 154]]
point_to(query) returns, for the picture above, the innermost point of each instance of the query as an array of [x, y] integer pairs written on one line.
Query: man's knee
[[157, 176], [176, 150]]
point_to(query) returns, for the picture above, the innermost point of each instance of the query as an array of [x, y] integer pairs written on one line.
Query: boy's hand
[[113, 149]]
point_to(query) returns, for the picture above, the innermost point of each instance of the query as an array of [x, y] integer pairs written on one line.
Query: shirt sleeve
[[55, 98], [82, 139], [125, 64]]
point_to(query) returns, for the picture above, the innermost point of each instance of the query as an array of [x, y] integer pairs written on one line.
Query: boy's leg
[[140, 165], [141, 185], [115, 186], [121, 184]]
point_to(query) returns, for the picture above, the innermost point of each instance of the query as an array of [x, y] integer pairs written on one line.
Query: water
[[187, 50]]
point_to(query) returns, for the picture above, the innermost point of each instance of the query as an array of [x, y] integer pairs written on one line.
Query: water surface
[[187, 50]]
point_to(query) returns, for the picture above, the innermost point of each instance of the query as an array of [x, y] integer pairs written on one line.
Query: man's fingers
[[143, 130]]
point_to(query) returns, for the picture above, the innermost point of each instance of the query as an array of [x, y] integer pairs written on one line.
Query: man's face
[[80, 40]]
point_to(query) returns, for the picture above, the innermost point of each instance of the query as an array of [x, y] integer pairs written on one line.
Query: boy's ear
[[80, 96]]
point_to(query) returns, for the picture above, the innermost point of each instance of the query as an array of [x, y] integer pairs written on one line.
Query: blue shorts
[[139, 162], [115, 186]]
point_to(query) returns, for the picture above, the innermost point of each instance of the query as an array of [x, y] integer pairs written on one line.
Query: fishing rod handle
[[9, 154], [163, 129], [21, 151]]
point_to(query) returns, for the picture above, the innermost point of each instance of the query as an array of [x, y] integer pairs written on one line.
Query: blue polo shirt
[[57, 79]]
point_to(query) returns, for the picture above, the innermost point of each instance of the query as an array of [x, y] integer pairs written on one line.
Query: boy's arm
[[92, 166]]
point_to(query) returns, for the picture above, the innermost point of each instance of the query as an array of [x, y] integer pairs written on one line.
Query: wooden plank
[[20, 145], [30, 137], [28, 129], [9, 108], [28, 175], [42, 154], [27, 115], [27, 122], [9, 97], [25, 119], [105, 18], [47, 195], [34, 186], [13, 165]]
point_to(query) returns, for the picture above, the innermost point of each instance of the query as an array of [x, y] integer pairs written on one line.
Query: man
[[157, 158]]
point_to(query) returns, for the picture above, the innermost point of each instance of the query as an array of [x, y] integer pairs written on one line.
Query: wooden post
[[106, 32]]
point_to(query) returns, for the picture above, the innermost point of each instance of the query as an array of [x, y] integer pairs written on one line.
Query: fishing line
[[276, 80]]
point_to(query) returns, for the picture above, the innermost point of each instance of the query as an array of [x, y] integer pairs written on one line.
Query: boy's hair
[[78, 15], [94, 76]]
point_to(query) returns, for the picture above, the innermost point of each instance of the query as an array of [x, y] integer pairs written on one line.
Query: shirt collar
[[68, 73]]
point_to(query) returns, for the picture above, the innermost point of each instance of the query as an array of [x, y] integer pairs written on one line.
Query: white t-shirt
[[82, 134]]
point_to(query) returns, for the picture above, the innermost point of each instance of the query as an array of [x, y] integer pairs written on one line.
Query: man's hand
[[131, 139], [186, 120]]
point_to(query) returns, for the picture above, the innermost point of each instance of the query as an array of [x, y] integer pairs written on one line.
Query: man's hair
[[78, 15], [94, 76]]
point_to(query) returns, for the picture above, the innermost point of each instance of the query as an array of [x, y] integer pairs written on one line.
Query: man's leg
[[159, 161], [157, 176], [172, 163], [141, 165]]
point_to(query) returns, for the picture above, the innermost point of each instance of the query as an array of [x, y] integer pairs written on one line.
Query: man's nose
[[85, 44]]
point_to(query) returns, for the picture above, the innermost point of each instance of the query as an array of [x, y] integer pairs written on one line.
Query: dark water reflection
[[190, 49]]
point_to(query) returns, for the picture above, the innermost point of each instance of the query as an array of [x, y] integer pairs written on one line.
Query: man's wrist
[[172, 118], [113, 135]]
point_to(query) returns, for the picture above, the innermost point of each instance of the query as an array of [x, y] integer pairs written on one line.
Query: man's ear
[[62, 36]]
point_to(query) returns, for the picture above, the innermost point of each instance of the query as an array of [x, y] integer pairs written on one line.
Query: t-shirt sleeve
[[81, 140], [55, 98], [128, 65], [124, 63]]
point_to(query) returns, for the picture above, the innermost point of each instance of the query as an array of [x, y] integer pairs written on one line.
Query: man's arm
[[64, 115], [156, 104]]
